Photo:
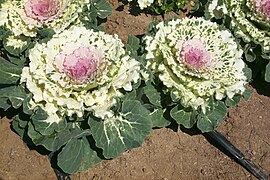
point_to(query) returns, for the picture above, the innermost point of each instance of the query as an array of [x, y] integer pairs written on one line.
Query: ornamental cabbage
[[196, 61], [79, 70], [24, 17], [249, 20]]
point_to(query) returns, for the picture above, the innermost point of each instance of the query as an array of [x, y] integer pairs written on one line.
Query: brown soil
[[166, 153]]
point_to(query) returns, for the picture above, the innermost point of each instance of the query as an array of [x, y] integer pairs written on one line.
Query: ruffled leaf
[[77, 156], [15, 94], [248, 73], [45, 32], [247, 93], [9, 72], [17, 51], [19, 61], [158, 119], [133, 45], [103, 8], [26, 105], [16, 126], [56, 140], [39, 139], [4, 103], [249, 52], [115, 136], [186, 118], [153, 95], [212, 118], [232, 102], [4, 32]]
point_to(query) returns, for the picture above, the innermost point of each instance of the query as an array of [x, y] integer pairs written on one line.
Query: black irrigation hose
[[58, 173], [236, 153]]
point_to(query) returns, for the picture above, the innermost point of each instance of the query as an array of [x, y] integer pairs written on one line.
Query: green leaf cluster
[[79, 145], [128, 131], [12, 94], [209, 120], [94, 12]]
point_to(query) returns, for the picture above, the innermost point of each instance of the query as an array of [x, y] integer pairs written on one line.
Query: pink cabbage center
[[266, 8], [81, 65], [42, 10], [263, 8], [194, 55]]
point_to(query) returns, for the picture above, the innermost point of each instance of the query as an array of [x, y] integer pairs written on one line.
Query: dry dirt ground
[[167, 153]]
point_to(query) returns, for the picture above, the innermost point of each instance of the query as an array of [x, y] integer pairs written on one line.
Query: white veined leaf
[[128, 131]]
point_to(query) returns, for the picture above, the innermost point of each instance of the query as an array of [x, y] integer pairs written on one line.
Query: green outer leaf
[[90, 157], [248, 73], [247, 93], [69, 159], [17, 128], [38, 118], [4, 31], [153, 95], [17, 51], [130, 96], [91, 13], [249, 56], [26, 105], [173, 95], [56, 140], [117, 135], [133, 44], [9, 73], [232, 102], [15, 94], [18, 61], [104, 8], [267, 72], [157, 118], [213, 117], [4, 103], [39, 139], [45, 32], [70, 132], [77, 156], [22, 122], [187, 119]]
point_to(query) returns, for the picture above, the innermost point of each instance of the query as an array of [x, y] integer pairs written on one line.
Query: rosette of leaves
[[163, 6], [26, 19], [196, 71], [249, 21], [76, 97]]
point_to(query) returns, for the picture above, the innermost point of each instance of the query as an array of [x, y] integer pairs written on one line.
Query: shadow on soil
[[262, 87]]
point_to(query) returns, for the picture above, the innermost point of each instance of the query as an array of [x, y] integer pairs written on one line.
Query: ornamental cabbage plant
[[25, 17], [24, 20], [77, 95], [199, 66], [249, 20], [62, 72]]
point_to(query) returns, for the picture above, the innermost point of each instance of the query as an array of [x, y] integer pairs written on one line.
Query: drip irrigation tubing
[[237, 155], [60, 175]]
